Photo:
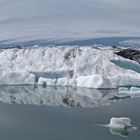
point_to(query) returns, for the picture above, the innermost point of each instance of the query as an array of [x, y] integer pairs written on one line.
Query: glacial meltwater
[[64, 113]]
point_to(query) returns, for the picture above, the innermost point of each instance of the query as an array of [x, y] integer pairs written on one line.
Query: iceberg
[[120, 126], [90, 67]]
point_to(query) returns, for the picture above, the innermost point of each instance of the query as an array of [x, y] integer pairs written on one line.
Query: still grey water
[[36, 113]]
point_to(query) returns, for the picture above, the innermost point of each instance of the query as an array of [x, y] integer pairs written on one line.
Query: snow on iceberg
[[88, 67]]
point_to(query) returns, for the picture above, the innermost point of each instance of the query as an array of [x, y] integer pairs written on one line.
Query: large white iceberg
[[90, 67]]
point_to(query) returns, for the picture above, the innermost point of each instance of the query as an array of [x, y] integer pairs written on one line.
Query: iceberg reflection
[[56, 96], [133, 92], [120, 132]]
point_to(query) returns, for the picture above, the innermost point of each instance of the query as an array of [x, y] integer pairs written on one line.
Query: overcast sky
[[95, 14], [72, 8]]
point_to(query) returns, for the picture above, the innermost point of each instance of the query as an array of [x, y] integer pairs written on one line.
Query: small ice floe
[[120, 126], [133, 92]]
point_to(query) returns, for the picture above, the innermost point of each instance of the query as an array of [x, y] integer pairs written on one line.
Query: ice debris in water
[[133, 92], [120, 126]]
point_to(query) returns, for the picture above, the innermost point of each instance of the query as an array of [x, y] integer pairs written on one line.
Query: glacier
[[134, 43], [89, 67]]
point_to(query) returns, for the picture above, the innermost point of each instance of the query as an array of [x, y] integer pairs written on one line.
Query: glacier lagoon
[[71, 46], [69, 94], [57, 113]]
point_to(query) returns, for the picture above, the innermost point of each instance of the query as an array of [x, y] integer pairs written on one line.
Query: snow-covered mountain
[[90, 67]]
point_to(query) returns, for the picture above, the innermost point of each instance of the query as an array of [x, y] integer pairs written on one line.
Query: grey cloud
[[8, 2], [93, 14]]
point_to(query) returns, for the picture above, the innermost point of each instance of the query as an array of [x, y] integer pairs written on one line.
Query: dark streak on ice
[[130, 54]]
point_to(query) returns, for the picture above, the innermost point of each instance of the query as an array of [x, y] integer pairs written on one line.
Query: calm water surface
[[32, 113]]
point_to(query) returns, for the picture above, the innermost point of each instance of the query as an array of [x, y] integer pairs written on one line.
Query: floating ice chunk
[[133, 92], [120, 126], [119, 123], [46, 81], [56, 82], [123, 88], [135, 89]]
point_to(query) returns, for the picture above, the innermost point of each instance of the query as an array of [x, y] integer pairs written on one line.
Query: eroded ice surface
[[90, 67]]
